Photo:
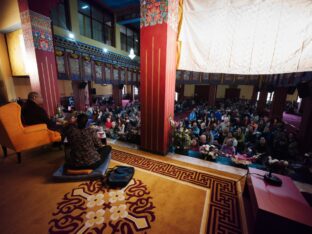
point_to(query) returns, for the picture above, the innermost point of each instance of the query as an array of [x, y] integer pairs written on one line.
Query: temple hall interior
[[156, 116]]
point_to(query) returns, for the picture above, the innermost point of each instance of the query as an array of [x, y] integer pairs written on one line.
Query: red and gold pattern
[[224, 214], [37, 30], [158, 12], [92, 208]]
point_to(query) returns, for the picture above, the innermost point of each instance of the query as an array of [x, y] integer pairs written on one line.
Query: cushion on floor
[[78, 172], [95, 174]]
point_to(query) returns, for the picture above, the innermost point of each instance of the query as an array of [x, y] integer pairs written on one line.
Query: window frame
[[65, 3], [134, 32], [105, 14]]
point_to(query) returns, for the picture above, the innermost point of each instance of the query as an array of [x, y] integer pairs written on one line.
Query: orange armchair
[[15, 136]]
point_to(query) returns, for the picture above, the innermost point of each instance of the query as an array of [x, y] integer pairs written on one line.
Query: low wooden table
[[271, 209]]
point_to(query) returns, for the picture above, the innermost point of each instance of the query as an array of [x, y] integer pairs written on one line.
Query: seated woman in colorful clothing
[[228, 148], [87, 151]]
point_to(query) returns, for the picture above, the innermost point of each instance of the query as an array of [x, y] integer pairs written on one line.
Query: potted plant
[[209, 152], [181, 140]]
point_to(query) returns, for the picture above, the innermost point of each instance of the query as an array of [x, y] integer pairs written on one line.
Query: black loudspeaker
[[93, 91], [303, 89], [291, 90], [121, 86], [82, 85]]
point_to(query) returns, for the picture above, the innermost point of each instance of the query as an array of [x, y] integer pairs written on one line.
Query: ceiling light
[[132, 55], [71, 35], [84, 7], [105, 50]]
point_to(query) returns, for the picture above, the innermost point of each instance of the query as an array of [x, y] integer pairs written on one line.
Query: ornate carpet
[[163, 197]]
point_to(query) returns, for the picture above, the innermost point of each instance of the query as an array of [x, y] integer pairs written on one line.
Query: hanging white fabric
[[246, 36]]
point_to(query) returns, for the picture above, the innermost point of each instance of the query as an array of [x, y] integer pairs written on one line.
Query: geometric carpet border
[[224, 215]]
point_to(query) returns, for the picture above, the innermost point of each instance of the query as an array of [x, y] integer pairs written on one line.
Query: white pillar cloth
[[246, 36]]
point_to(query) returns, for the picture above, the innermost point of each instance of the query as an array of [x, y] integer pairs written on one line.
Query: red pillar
[[117, 95], [158, 72], [81, 95], [305, 131], [38, 38], [131, 93], [262, 101], [278, 103], [180, 91], [254, 95], [212, 95]]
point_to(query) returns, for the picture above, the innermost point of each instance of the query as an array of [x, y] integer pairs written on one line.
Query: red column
[[180, 91], [212, 95], [278, 103], [305, 131], [38, 38], [81, 95], [117, 95], [254, 94], [262, 101], [131, 93], [158, 72]]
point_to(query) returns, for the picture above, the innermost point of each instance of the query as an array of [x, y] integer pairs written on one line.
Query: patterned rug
[[163, 197]]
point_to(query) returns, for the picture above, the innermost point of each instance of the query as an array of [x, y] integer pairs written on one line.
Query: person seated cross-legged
[[87, 151]]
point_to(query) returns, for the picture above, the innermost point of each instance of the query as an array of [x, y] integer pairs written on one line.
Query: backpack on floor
[[119, 176]]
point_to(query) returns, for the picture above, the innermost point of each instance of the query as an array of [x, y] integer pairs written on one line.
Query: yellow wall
[[189, 90], [245, 91], [221, 91], [22, 87], [5, 70], [128, 89], [103, 89], [9, 14], [65, 88], [15, 48], [292, 97]]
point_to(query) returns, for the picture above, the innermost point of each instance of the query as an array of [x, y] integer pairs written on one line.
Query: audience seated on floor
[[228, 121], [248, 132]]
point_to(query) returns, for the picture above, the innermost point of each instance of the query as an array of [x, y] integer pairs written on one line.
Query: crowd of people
[[232, 127], [121, 123], [236, 128]]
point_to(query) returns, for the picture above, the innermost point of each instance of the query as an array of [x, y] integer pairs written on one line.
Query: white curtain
[[246, 36]]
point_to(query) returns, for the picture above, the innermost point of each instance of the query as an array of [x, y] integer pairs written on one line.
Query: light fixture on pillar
[[105, 50], [71, 35], [132, 55]]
